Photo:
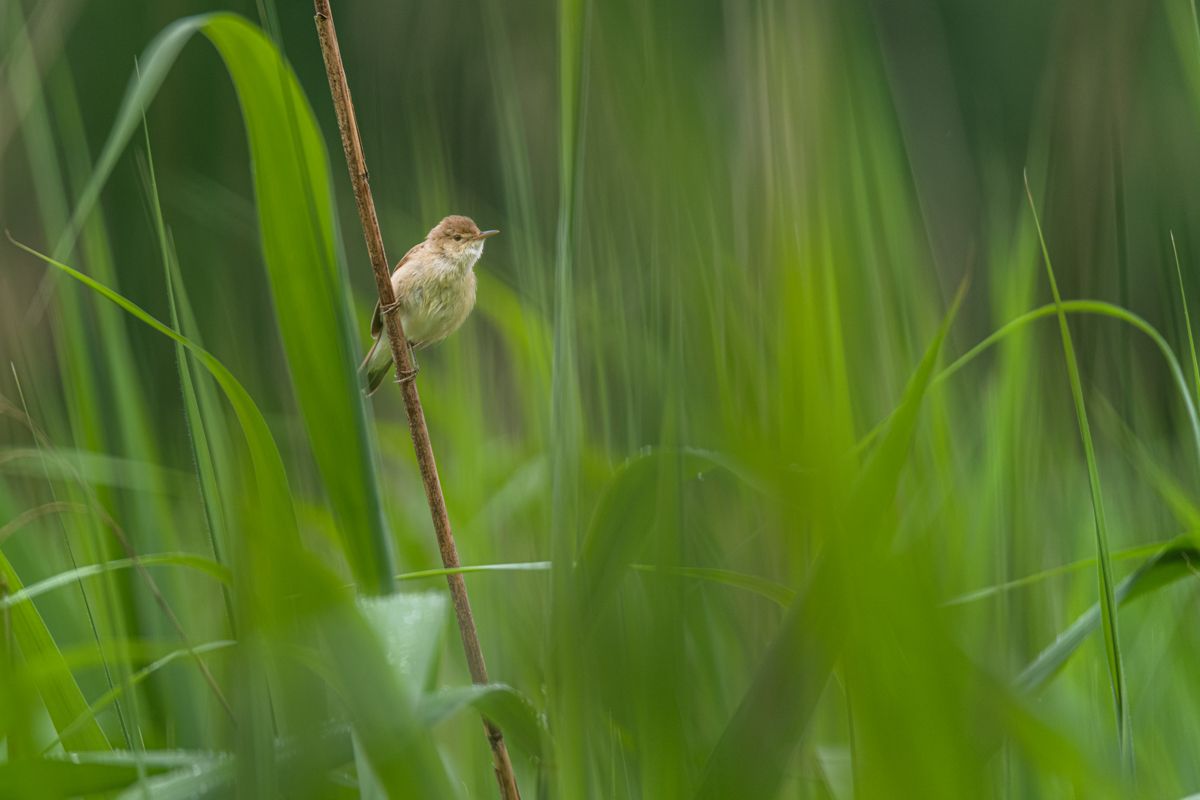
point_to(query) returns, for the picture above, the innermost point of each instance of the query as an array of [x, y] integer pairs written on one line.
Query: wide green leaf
[[54, 681], [409, 625], [502, 704], [308, 283], [50, 779]]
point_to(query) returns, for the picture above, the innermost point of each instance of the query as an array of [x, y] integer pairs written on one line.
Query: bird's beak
[[487, 234]]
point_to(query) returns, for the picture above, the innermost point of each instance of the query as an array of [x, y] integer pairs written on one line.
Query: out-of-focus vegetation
[[779, 468]]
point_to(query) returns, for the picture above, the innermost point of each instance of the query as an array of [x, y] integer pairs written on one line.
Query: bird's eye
[[458, 237]]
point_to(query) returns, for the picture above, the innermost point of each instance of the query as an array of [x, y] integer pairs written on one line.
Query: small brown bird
[[435, 291]]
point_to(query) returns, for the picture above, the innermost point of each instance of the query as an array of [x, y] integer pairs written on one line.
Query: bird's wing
[[376, 318]]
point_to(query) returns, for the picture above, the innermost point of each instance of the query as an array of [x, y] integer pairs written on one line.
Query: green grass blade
[[1046, 574], [309, 287], [272, 478], [355, 664], [202, 775], [94, 469], [197, 563], [1187, 317], [1108, 603], [55, 683], [752, 754], [201, 412], [83, 387], [881, 473], [55, 778], [198, 438], [623, 516], [1098, 308], [308, 284], [508, 708], [372, 658], [1092, 307], [521, 566], [112, 695], [775, 592], [1175, 562], [410, 626]]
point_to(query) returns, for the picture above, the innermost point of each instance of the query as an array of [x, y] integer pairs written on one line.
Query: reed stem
[[357, 164]]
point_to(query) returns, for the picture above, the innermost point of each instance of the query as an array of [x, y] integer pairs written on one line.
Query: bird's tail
[[375, 367]]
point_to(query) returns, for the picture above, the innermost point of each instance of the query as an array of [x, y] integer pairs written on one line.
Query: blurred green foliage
[[746, 512]]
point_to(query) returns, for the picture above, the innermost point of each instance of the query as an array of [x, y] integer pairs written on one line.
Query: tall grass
[[759, 491]]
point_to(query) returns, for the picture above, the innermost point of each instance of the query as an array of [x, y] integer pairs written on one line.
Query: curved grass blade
[[279, 532], [1176, 561], [356, 664], [881, 473], [201, 775], [203, 457], [510, 709], [198, 563], [309, 287], [1046, 574], [201, 413], [1108, 603], [270, 475], [211, 779], [135, 678], [308, 283], [1096, 307], [95, 469], [30, 515]]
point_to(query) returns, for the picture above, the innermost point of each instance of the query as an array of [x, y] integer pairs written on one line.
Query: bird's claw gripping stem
[[406, 376]]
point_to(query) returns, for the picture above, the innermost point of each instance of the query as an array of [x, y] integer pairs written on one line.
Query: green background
[[741, 536]]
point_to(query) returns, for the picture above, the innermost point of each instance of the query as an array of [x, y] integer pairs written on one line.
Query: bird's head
[[459, 238]]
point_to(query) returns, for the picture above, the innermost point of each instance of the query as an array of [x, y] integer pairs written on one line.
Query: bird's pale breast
[[436, 294]]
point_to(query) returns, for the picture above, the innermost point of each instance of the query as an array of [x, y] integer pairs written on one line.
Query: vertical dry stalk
[[356, 162]]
